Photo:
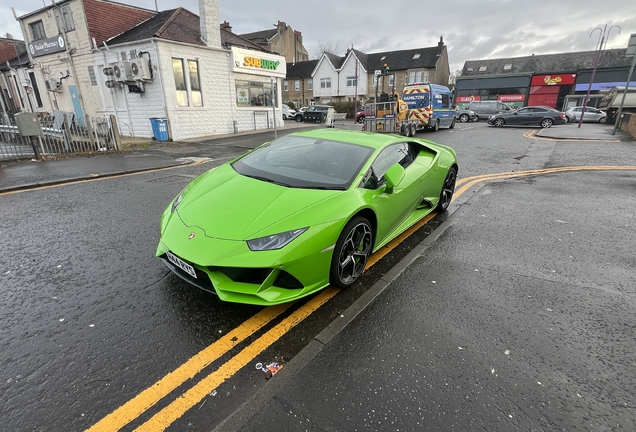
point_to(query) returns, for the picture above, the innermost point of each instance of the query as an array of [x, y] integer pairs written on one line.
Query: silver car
[[591, 114]]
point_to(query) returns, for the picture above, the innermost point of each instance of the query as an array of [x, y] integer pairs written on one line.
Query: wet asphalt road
[[541, 267]]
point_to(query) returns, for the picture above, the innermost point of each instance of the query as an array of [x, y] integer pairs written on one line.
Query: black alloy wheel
[[361, 119], [351, 253], [448, 188]]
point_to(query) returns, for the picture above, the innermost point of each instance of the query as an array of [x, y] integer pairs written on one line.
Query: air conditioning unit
[[53, 85], [140, 69], [121, 72]]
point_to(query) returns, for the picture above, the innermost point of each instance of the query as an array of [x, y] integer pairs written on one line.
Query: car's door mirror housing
[[394, 177]]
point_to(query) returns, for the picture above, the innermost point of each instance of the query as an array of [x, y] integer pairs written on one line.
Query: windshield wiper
[[327, 187]]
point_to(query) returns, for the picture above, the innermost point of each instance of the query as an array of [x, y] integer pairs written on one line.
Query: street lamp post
[[597, 57]]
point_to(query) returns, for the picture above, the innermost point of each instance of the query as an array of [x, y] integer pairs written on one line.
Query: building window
[[391, 80], [325, 83], [483, 68], [37, 30], [508, 66], [195, 83], [286, 86], [91, 75], [352, 81], [415, 77], [64, 19], [326, 101], [254, 93], [425, 76], [416, 56], [469, 69], [36, 90], [188, 86], [310, 84], [297, 85]]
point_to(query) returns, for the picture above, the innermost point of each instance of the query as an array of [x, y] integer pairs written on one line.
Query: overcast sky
[[472, 30]]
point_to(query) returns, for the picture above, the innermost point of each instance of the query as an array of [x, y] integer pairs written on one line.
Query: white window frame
[[193, 96], [310, 84], [296, 85], [352, 81], [325, 83]]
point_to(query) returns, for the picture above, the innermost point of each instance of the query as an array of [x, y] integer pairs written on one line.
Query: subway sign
[[260, 63]]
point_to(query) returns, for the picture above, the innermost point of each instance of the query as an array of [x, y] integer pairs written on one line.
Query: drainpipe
[[130, 125], [110, 90], [163, 96]]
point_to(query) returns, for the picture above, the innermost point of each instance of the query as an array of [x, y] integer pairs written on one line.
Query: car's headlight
[[176, 201], [276, 241]]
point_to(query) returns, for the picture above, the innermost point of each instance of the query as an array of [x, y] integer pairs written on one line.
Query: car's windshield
[[304, 162]]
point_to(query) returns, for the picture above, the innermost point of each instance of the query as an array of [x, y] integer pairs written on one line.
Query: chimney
[[209, 22], [440, 45], [226, 25]]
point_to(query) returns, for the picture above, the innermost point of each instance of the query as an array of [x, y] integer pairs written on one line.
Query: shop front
[[509, 89], [550, 90], [257, 77]]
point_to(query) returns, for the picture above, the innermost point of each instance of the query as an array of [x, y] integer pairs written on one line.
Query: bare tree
[[325, 48], [452, 78]]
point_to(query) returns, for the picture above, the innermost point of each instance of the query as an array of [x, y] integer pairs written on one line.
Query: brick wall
[[629, 124]]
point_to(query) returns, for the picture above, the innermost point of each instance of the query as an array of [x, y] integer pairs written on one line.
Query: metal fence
[[61, 134]]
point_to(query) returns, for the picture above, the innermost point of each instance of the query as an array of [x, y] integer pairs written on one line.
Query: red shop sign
[[550, 80], [467, 99], [512, 98]]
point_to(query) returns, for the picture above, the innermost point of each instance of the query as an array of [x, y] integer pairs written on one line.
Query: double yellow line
[[162, 388]]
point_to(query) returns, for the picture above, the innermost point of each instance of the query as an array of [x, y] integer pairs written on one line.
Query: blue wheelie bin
[[159, 128]]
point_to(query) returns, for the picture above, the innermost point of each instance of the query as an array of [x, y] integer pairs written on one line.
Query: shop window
[[187, 86], [325, 82], [37, 30], [64, 19], [254, 93], [310, 84]]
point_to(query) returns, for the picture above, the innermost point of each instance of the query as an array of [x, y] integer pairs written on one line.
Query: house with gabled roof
[[60, 39], [298, 87], [556, 80], [352, 77], [283, 40]]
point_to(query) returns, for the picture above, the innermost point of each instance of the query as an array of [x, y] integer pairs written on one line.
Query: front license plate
[[182, 264]]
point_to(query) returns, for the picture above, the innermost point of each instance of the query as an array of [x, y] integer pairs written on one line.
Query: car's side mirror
[[393, 177]]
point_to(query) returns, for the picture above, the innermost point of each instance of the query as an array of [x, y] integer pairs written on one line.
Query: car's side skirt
[[415, 217]]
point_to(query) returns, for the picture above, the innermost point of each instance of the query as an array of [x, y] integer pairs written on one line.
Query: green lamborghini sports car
[[302, 212]]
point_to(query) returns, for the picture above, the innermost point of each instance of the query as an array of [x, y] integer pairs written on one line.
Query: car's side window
[[401, 153]]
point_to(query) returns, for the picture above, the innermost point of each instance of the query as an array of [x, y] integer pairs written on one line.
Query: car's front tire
[[499, 122], [361, 119], [448, 189], [298, 119], [546, 123], [351, 252], [463, 118]]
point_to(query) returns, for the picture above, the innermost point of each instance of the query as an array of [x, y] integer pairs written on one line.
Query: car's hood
[[227, 205]]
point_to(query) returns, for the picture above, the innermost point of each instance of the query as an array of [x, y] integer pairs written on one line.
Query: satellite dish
[[9, 36]]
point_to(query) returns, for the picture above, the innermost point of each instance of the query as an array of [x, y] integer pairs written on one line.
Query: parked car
[[303, 219], [311, 113], [483, 109], [465, 115], [360, 114], [288, 113], [532, 115], [591, 114]]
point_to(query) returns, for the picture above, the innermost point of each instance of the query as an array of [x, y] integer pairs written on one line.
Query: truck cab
[[430, 105]]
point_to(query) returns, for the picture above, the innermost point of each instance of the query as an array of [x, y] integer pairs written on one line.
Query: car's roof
[[368, 139]]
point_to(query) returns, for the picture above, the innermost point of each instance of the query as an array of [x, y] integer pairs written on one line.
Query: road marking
[[104, 177], [532, 134], [164, 418], [176, 409], [147, 398]]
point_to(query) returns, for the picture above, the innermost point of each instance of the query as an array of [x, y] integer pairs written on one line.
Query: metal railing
[[61, 134]]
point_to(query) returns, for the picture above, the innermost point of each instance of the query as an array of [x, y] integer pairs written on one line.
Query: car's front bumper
[[231, 270]]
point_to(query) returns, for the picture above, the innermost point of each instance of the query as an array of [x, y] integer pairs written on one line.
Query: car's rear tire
[[452, 124], [602, 120], [546, 123], [499, 122], [351, 252], [413, 129], [298, 119], [463, 118], [448, 189], [403, 130], [436, 126], [476, 118], [361, 119]]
